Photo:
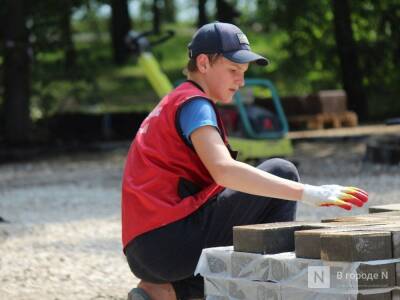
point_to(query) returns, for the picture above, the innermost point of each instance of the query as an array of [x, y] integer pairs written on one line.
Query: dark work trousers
[[170, 253]]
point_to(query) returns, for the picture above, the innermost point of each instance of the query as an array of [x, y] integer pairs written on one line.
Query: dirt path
[[62, 240]]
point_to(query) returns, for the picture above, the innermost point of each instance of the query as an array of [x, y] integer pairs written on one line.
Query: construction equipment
[[263, 134]]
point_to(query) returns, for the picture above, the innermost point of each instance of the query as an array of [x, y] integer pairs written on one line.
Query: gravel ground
[[62, 238]]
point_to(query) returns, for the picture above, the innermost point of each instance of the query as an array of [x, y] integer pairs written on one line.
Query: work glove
[[334, 195]]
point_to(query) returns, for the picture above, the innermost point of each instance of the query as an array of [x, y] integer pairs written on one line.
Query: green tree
[[349, 61], [51, 28], [17, 58], [377, 33], [66, 33], [353, 42], [308, 38], [169, 11], [120, 26], [157, 17], [226, 11], [202, 15], [163, 11]]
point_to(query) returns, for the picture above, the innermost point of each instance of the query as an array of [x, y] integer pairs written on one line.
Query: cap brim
[[246, 56]]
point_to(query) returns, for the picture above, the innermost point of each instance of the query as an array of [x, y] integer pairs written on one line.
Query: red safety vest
[[164, 179]]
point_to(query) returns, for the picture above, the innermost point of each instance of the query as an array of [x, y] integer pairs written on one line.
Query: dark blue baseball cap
[[226, 39]]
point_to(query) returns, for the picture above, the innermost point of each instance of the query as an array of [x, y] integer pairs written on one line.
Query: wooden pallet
[[325, 120], [345, 132]]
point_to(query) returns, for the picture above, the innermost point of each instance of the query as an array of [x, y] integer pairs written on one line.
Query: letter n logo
[[319, 277]]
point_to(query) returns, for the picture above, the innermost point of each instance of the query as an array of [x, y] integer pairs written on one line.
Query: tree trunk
[[348, 55], [16, 73], [120, 26], [202, 19], [156, 16], [226, 12], [68, 44], [169, 11]]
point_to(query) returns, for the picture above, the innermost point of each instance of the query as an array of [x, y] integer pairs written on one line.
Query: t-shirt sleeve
[[195, 114]]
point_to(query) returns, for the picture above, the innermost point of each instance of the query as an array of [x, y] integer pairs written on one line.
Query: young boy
[[182, 188]]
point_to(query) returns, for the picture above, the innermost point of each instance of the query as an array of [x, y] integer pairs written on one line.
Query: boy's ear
[[202, 63]]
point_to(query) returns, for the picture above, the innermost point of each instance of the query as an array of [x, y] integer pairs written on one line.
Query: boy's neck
[[198, 79]]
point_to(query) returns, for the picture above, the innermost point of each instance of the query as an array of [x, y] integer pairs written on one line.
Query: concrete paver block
[[269, 238], [308, 242], [388, 217], [395, 232], [366, 277], [384, 208], [376, 276], [382, 296], [216, 264], [396, 293], [358, 238], [240, 264], [356, 246], [396, 243]]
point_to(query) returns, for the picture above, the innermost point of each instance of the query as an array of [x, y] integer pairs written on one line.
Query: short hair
[[192, 64]]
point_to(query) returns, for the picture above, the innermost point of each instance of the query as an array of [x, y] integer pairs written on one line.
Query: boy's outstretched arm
[[242, 177]]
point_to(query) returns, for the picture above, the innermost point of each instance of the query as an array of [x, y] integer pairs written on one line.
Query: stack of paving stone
[[272, 261]]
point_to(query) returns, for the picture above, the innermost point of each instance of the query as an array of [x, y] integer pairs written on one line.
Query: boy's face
[[224, 78]]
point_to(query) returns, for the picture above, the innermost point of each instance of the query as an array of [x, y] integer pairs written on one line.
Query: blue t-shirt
[[195, 114]]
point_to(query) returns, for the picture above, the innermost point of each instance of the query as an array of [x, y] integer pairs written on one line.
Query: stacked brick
[[369, 243], [384, 208]]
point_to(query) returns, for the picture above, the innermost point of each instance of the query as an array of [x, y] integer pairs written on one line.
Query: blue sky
[[187, 9]]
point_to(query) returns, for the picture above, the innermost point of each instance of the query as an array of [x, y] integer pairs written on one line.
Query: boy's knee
[[280, 167]]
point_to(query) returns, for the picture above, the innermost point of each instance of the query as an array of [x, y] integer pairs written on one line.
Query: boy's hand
[[334, 195]]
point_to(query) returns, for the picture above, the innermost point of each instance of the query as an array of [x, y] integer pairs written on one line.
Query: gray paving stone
[[395, 231], [384, 296], [216, 264], [271, 237], [308, 242], [396, 243], [396, 295], [290, 293], [356, 246], [384, 208], [376, 276], [240, 264], [366, 277], [388, 217]]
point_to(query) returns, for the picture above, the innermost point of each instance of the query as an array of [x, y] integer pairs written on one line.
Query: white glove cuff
[[314, 195]]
